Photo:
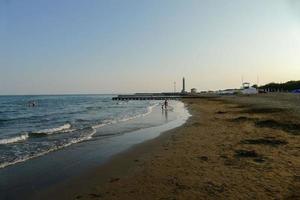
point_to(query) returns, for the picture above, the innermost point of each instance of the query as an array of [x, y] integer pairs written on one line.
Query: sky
[[127, 46]]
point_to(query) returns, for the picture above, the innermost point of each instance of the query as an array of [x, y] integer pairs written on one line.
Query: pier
[[136, 97], [153, 96]]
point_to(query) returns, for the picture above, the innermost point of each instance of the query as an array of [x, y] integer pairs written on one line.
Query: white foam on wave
[[127, 118], [149, 110], [73, 141], [50, 131], [104, 123], [15, 139]]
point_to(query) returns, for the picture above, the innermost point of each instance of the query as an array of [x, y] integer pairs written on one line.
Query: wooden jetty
[[153, 96]]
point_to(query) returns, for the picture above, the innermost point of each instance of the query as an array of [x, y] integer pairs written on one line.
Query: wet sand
[[231, 148]]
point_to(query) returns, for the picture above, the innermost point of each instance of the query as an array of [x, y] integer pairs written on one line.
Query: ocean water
[[57, 122]]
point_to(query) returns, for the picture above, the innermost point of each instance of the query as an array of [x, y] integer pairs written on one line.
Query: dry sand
[[231, 148]]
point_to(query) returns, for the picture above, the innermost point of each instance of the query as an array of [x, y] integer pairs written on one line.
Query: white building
[[247, 89]]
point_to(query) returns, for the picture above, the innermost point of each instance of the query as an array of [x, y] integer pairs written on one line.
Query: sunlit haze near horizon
[[97, 46]]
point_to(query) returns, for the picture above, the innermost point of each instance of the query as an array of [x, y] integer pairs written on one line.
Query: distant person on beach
[[166, 104]]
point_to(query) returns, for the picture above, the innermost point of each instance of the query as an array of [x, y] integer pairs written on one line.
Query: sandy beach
[[243, 147], [150, 100]]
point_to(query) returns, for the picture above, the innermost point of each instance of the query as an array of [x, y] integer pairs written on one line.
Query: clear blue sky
[[101, 46]]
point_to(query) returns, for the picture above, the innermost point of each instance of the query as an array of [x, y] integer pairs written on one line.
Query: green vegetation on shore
[[288, 86]]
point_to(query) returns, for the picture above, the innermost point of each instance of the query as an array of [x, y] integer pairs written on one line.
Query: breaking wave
[[73, 141], [50, 131], [15, 139]]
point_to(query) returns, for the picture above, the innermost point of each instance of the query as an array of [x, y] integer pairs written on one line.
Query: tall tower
[[174, 87], [183, 85]]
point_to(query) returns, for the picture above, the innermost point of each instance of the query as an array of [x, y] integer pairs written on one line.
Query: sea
[[32, 126]]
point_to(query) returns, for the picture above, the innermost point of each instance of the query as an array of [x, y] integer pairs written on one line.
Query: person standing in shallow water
[[166, 104]]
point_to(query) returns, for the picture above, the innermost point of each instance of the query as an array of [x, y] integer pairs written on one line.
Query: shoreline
[[118, 166], [26, 179]]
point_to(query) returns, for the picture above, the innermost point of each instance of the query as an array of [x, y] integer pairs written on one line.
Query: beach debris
[[249, 154], [262, 110], [93, 195], [287, 127], [259, 160], [203, 158], [265, 141], [242, 119], [181, 186], [224, 156], [221, 112], [112, 180], [246, 153]]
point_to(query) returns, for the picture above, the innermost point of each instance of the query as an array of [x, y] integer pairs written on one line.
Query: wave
[[55, 148], [67, 128], [19, 138], [126, 118], [15, 139], [63, 128], [149, 110]]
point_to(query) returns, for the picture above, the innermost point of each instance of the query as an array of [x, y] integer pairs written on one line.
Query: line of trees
[[288, 86]]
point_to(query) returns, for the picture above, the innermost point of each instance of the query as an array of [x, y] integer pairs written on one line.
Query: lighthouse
[[183, 85]]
